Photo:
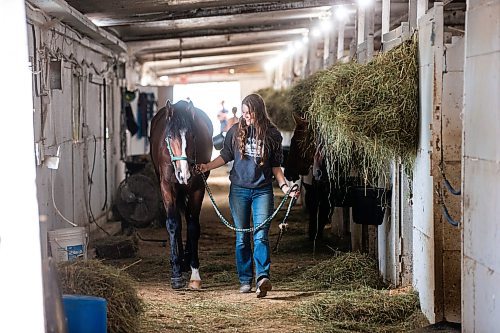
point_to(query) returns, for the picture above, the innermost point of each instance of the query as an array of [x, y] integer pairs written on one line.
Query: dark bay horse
[[319, 194], [180, 137]]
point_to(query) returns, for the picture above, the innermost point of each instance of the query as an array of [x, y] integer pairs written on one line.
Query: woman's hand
[[202, 168], [294, 193]]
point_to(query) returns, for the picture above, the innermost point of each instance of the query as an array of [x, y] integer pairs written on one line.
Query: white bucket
[[68, 244]]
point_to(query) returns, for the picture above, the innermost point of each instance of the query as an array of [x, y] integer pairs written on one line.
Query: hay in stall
[[364, 310], [279, 107], [301, 93], [93, 278], [367, 115], [348, 270]]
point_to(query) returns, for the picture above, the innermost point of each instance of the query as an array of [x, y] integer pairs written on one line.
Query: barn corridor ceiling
[[186, 36]]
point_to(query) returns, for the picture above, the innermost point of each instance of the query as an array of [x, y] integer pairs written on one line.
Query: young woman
[[254, 144]]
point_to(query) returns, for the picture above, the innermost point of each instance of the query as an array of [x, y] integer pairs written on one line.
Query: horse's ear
[[169, 108], [190, 108], [297, 118]]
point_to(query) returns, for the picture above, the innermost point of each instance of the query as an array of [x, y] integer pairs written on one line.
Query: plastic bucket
[[85, 314], [68, 244]]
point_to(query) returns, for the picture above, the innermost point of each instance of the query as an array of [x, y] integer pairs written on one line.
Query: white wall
[[430, 53], [72, 119], [21, 300], [481, 169]]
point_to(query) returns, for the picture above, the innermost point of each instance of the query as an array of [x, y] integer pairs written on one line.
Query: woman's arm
[[280, 178], [218, 162]]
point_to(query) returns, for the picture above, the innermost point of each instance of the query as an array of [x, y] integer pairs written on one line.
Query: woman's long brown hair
[[262, 123]]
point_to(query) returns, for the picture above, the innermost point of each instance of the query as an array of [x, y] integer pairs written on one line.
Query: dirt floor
[[219, 306]]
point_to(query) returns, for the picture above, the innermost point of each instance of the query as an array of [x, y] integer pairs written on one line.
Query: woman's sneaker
[[263, 286], [245, 288]]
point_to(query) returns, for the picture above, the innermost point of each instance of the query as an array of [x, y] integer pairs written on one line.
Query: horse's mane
[[180, 119]]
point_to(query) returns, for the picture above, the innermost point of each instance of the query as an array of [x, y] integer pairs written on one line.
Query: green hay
[[367, 115], [364, 310], [279, 107], [344, 271], [96, 279]]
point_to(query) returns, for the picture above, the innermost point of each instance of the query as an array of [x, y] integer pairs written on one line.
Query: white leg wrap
[[195, 274]]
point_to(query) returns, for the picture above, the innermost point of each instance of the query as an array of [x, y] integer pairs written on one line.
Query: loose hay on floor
[[93, 278], [343, 271], [364, 309]]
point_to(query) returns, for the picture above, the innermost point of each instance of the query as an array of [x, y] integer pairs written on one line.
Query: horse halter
[[174, 158]]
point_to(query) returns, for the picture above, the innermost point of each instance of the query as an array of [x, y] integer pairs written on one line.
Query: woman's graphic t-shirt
[[247, 172]]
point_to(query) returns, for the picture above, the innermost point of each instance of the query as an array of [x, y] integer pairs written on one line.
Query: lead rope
[[251, 229], [283, 225]]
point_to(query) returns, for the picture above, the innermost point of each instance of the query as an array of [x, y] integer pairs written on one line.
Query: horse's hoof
[[195, 284], [178, 283]]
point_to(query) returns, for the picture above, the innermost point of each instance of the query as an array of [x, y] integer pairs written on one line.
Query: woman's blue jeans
[[259, 202]]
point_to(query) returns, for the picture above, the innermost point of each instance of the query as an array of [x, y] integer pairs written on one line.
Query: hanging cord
[[54, 201], [251, 229], [448, 184], [446, 213], [90, 188]]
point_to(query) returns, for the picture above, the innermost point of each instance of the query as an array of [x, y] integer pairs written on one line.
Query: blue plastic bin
[[85, 314]]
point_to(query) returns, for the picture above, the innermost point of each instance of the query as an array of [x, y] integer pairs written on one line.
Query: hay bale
[[116, 247], [96, 279], [365, 310], [279, 107], [344, 271], [368, 114]]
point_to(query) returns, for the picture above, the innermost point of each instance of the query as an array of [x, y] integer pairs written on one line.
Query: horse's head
[[301, 149], [180, 138]]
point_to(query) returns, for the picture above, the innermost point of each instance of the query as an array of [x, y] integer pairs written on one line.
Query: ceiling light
[[231, 70], [325, 25], [341, 13], [164, 78], [316, 32], [364, 3], [298, 44]]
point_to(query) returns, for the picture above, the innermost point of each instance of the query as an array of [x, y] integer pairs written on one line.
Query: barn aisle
[[317, 287], [219, 306]]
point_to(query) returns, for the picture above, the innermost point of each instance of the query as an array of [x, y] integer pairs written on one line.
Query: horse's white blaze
[[195, 274], [184, 174]]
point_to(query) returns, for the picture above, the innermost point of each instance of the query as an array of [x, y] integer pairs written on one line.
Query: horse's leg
[[325, 208], [193, 209], [311, 199], [174, 231]]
